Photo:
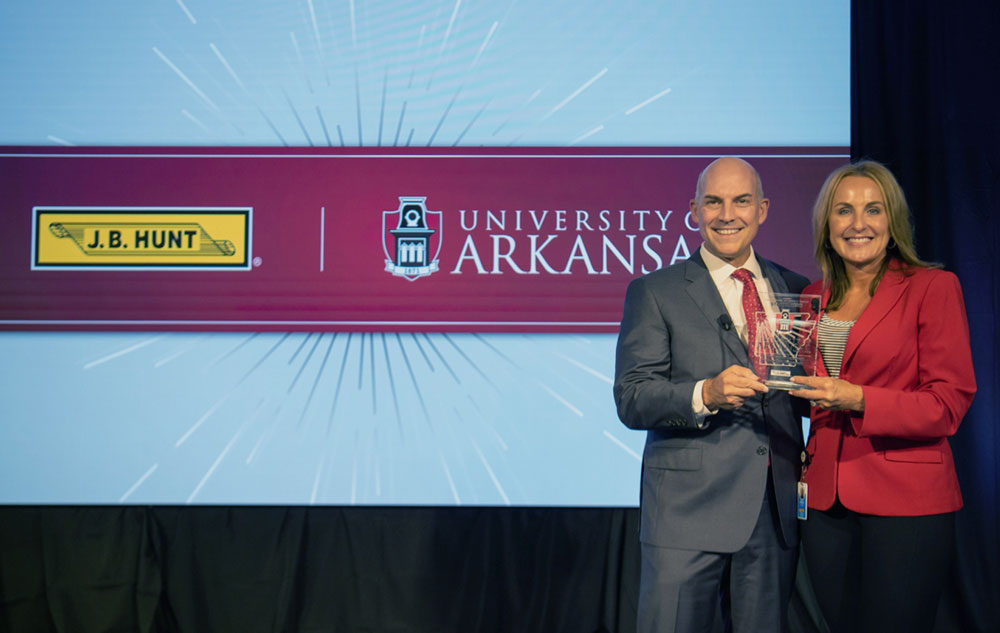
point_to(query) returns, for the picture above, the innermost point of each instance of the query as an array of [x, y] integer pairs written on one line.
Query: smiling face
[[859, 223], [729, 209]]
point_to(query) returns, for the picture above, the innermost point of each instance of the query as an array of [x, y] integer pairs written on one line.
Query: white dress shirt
[[732, 296]]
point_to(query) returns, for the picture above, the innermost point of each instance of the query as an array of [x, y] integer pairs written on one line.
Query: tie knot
[[743, 275]]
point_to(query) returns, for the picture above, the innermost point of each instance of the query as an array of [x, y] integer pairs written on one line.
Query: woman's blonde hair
[[900, 227]]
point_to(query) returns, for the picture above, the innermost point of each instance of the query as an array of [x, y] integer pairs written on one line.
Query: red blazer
[[909, 351]]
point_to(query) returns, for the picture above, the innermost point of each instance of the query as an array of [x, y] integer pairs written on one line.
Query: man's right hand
[[731, 388]]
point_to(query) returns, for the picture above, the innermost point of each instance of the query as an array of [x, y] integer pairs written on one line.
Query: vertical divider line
[[322, 235]]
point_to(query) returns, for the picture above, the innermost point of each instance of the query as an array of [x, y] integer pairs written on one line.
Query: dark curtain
[[317, 569], [923, 102]]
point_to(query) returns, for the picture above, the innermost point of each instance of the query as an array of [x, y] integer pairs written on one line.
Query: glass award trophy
[[786, 343]]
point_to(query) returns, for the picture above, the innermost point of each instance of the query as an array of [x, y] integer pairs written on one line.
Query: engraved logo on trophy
[[786, 343], [416, 238]]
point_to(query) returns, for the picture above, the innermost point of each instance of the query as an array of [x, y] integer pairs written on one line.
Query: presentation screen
[[375, 253]]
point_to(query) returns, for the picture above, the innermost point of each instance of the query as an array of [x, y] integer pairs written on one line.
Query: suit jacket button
[[762, 450]]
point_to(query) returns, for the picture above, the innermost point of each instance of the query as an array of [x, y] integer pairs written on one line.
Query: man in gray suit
[[722, 453]]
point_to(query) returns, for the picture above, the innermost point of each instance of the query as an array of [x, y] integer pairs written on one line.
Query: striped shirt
[[832, 341]]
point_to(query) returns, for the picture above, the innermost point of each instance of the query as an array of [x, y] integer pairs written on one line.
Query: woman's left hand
[[829, 393]]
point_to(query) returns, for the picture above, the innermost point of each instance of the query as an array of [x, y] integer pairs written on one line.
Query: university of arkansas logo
[[411, 238]]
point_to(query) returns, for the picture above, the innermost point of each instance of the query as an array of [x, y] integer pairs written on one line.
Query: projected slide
[[368, 252]]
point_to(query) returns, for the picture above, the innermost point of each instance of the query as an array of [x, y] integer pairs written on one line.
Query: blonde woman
[[895, 380]]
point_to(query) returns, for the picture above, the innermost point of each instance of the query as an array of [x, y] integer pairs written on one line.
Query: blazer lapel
[[889, 290], [706, 296], [824, 299]]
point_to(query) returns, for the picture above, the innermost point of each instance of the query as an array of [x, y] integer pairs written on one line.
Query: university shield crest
[[411, 238]]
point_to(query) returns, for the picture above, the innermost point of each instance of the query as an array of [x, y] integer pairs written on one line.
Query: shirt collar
[[720, 269]]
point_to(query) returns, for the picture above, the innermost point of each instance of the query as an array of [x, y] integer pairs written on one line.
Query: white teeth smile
[[727, 231]]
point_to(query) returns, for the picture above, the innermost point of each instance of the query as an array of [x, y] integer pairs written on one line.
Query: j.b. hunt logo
[[141, 238], [535, 241]]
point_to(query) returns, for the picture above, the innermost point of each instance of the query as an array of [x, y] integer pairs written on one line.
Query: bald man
[[723, 453]]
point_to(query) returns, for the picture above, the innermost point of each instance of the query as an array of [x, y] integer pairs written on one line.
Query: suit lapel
[[778, 285], [706, 296], [773, 277], [889, 290]]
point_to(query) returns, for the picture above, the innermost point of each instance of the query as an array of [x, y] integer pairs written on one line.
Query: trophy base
[[785, 385]]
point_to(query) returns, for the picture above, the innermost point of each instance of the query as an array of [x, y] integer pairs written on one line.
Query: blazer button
[[762, 450]]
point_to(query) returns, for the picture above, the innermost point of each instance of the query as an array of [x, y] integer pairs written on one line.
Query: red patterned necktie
[[751, 306]]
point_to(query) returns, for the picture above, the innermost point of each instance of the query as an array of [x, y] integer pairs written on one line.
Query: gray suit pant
[[686, 591]]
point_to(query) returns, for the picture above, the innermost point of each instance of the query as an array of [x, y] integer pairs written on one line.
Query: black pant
[[873, 574]]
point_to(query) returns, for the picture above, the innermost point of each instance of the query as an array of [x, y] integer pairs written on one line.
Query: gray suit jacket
[[701, 488]]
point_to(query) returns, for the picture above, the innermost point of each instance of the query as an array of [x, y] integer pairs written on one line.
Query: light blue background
[[375, 418]]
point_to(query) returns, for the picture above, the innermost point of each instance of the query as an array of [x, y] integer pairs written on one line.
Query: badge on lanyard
[[802, 501]]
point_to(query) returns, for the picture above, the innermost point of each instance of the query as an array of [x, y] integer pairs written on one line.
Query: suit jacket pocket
[[916, 455], [674, 458]]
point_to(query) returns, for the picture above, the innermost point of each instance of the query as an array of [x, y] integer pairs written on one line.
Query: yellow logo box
[[162, 237]]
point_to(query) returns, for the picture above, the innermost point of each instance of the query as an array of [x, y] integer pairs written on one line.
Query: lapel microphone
[[725, 322]]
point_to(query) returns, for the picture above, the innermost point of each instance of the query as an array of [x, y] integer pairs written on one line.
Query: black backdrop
[[923, 102], [317, 569]]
